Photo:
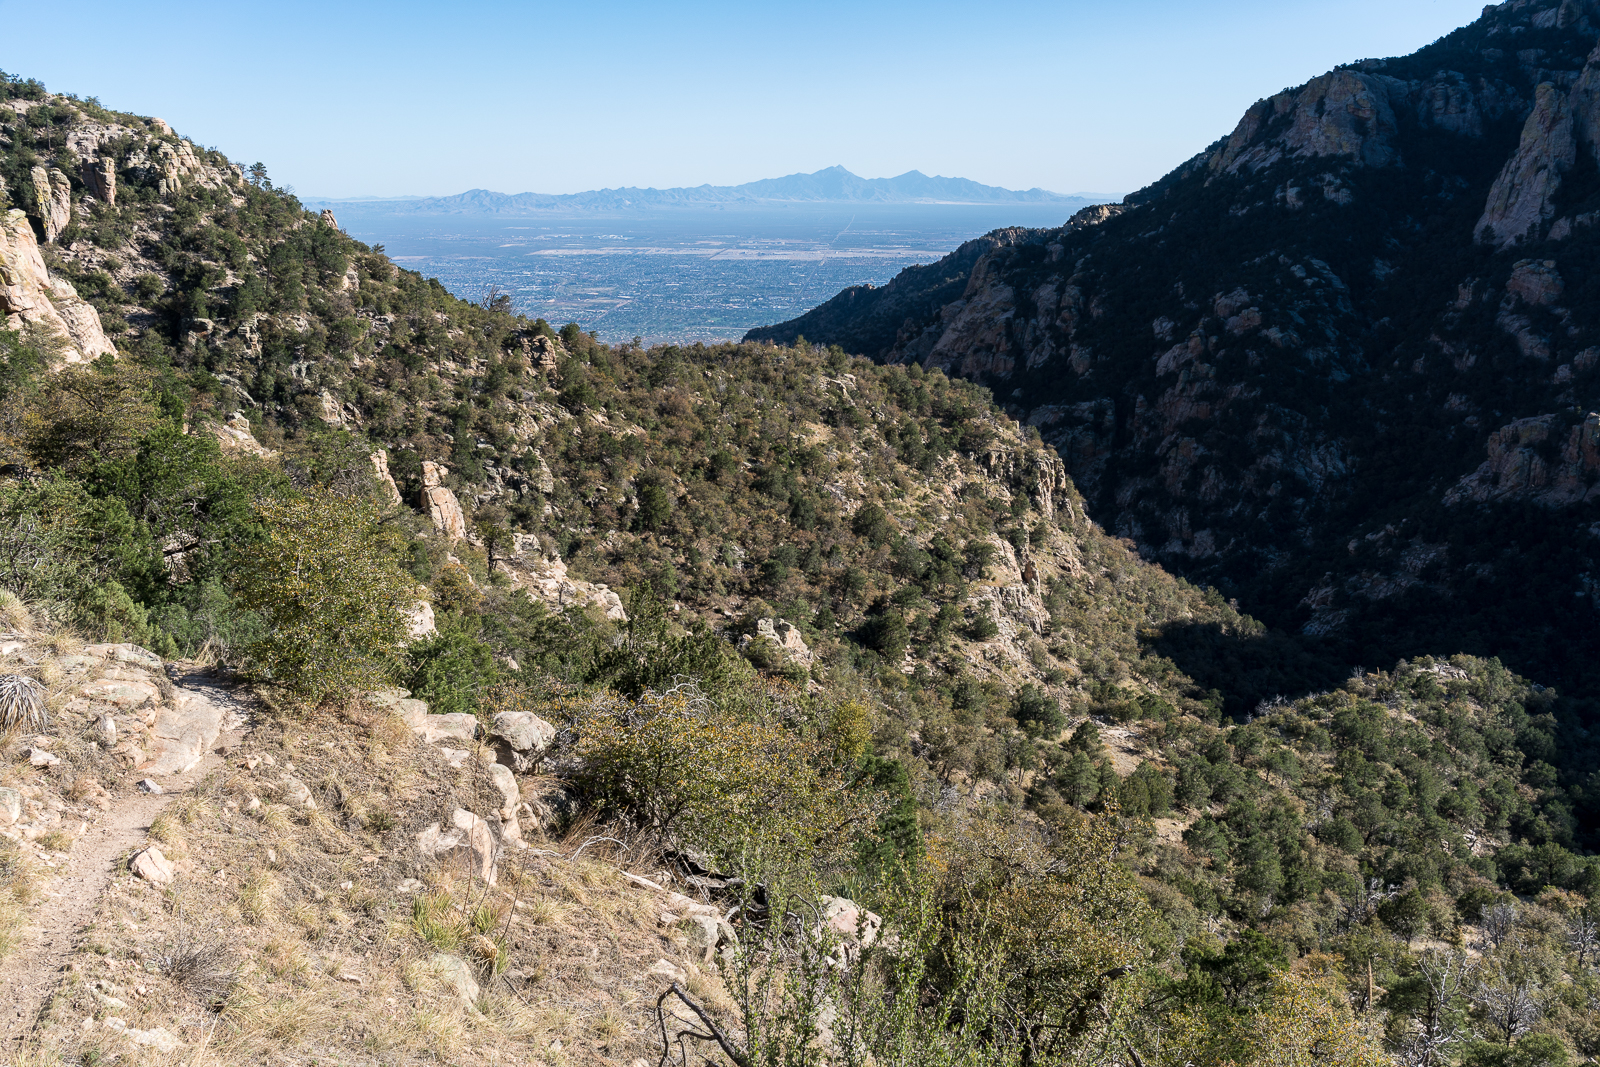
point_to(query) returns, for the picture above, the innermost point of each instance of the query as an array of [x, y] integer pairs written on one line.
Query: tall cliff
[[1341, 363]]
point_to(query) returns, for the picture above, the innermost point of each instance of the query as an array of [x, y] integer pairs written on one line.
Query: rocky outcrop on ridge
[[31, 296]]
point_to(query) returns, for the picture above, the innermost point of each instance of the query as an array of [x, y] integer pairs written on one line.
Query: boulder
[[420, 621], [456, 726], [667, 970], [153, 867], [38, 757], [523, 731], [850, 921]]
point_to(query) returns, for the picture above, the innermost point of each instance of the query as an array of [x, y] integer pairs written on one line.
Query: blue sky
[[346, 99]]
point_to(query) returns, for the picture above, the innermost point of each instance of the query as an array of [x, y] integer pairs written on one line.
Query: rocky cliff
[[31, 297], [1357, 332]]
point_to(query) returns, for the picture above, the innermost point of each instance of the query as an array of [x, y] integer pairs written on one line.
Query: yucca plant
[[22, 703]]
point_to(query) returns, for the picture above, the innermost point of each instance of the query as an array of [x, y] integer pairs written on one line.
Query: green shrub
[[329, 592], [451, 671]]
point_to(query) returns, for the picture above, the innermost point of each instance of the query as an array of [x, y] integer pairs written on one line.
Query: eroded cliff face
[[30, 297], [1372, 308]]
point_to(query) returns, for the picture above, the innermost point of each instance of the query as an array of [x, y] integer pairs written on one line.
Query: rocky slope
[[1341, 363]]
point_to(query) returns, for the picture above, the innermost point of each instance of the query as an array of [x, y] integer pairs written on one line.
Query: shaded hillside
[[1341, 363]]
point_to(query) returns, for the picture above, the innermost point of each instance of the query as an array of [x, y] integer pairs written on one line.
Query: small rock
[[10, 806], [455, 975], [708, 934], [506, 783], [40, 758], [665, 969], [409, 885], [354, 979], [153, 867], [150, 785], [253, 804], [296, 793], [107, 1001]]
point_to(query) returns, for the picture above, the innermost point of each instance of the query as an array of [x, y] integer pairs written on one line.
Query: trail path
[[206, 719]]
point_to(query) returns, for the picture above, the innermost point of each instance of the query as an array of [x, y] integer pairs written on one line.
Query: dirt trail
[[71, 893]]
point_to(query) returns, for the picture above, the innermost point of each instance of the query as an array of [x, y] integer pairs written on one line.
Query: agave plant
[[22, 703]]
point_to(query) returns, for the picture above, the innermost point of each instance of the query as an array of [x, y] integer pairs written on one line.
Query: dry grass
[[17, 888], [164, 828], [334, 953], [57, 841]]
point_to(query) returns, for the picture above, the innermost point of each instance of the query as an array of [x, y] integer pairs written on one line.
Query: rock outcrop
[[29, 296], [441, 504], [100, 175], [546, 580], [784, 635], [235, 435], [1522, 198], [1524, 465], [380, 466], [52, 192]]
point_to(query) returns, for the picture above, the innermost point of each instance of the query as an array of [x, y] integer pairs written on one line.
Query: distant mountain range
[[831, 185]]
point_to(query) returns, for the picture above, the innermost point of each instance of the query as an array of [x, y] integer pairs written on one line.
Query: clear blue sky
[[352, 98]]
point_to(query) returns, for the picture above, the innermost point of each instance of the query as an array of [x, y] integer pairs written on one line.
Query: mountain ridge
[[1329, 363], [829, 185]]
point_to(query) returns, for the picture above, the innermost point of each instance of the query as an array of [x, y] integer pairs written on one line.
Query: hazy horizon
[[421, 100], [1100, 197]]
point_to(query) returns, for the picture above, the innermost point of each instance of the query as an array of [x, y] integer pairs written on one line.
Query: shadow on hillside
[[1248, 668]]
